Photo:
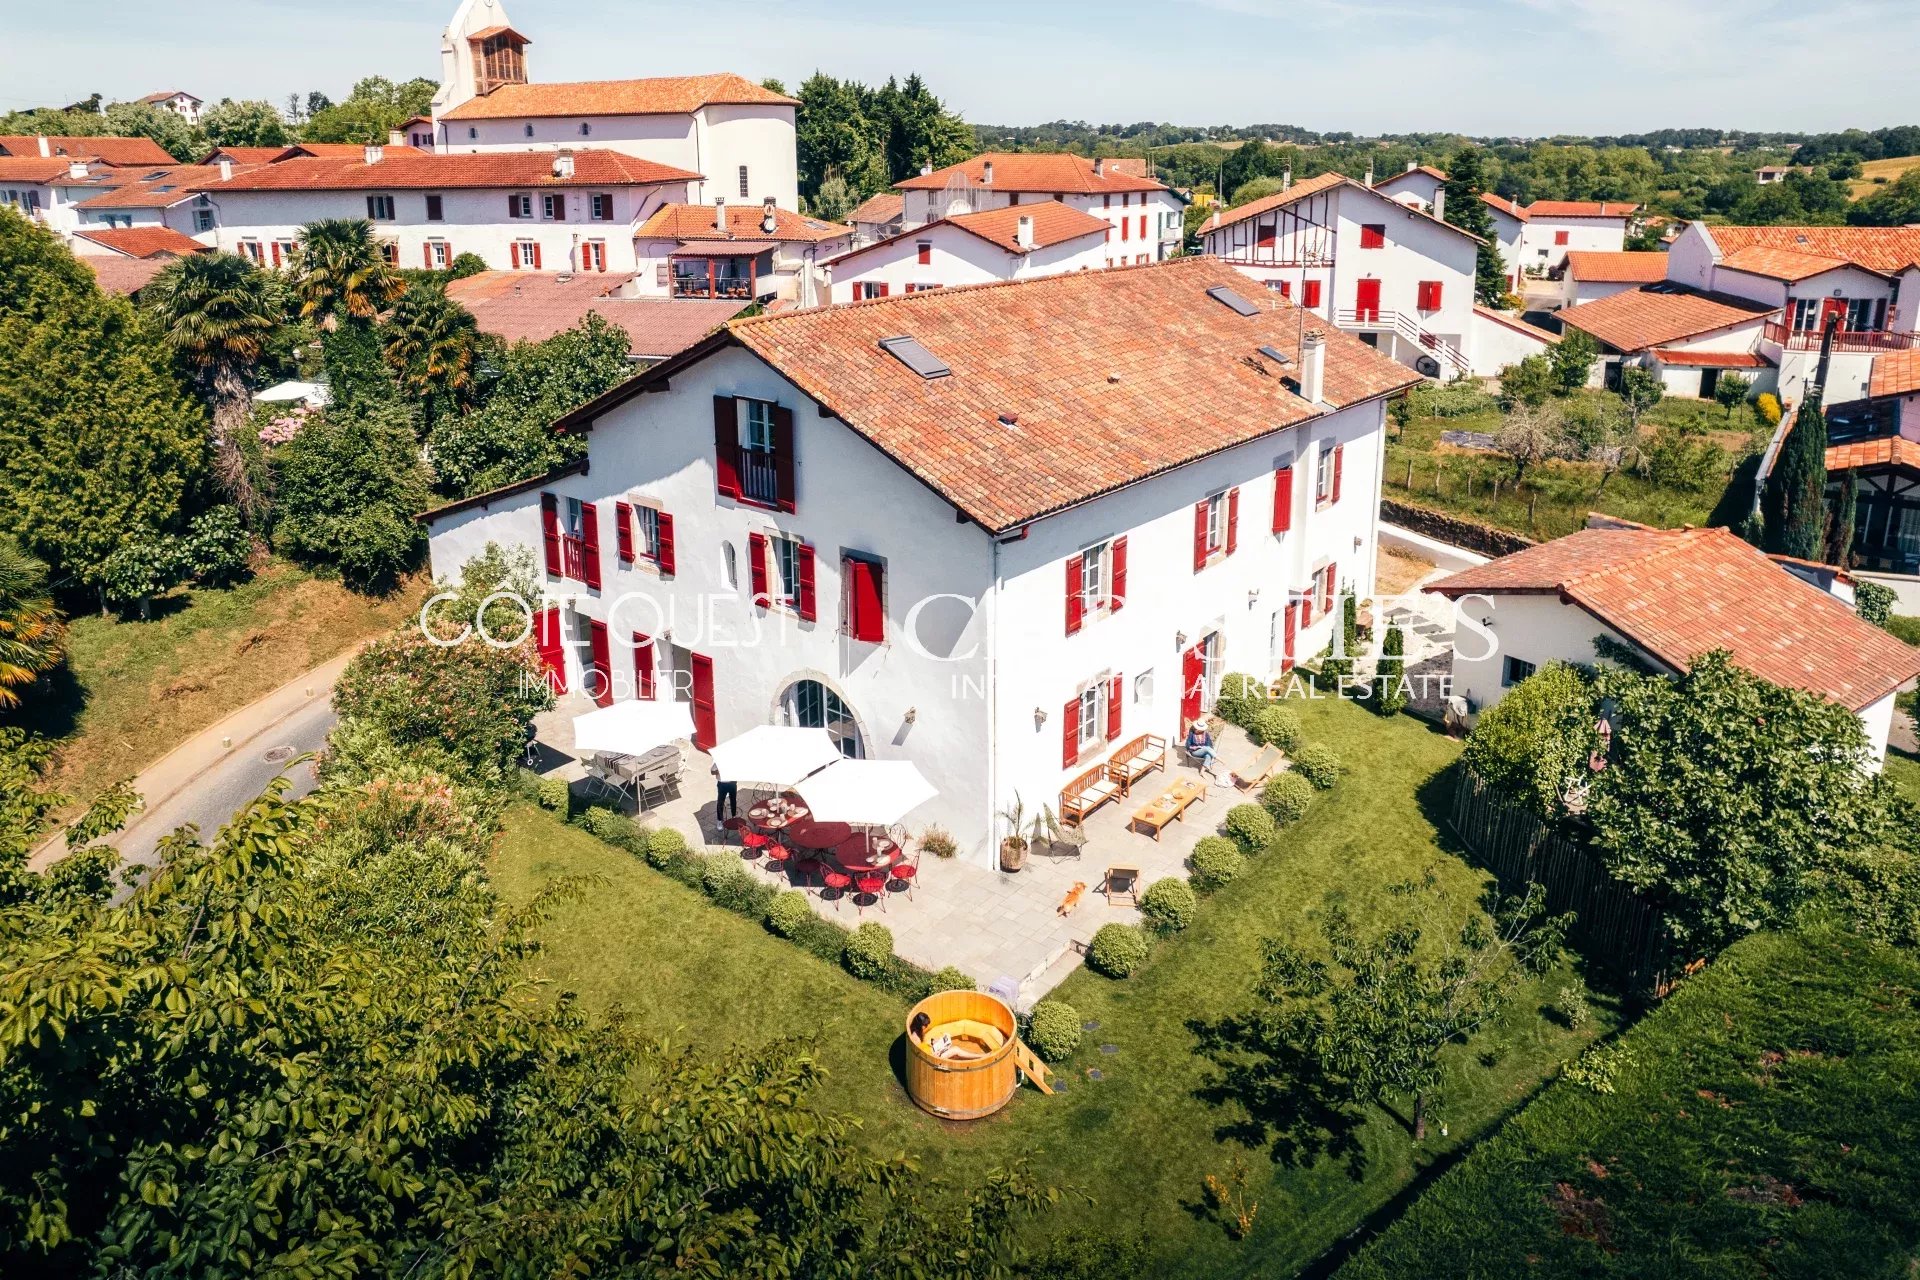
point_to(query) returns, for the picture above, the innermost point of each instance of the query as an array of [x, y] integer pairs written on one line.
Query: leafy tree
[[1640, 390], [1793, 504], [1895, 205], [1676, 460], [350, 485], [1730, 392], [26, 818], [833, 201], [430, 344], [252, 123], [1466, 182], [32, 634], [373, 110], [916, 129], [834, 136], [1530, 434], [173, 135], [143, 566], [1601, 433], [353, 360], [1529, 381], [1536, 743], [1390, 694], [1572, 359]]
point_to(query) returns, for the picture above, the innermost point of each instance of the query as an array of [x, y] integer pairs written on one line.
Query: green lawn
[[1768, 1126], [1139, 1141]]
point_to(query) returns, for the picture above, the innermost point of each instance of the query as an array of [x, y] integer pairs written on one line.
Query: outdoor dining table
[[857, 854], [767, 820], [820, 835]]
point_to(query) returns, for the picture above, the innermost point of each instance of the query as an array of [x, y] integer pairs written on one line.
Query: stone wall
[[1485, 539]]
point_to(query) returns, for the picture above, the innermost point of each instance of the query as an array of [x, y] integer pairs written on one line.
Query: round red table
[[820, 835], [857, 855]]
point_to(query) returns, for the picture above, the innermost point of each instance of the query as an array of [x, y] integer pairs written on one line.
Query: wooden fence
[[1613, 926]]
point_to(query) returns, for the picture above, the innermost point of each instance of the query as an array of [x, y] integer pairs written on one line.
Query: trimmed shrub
[[787, 912], [1286, 796], [1250, 827], [664, 845], [1054, 1030], [554, 795], [1216, 862], [1276, 726], [726, 880], [952, 979], [614, 828], [1117, 950], [1169, 905], [868, 951], [1319, 764], [1240, 697]]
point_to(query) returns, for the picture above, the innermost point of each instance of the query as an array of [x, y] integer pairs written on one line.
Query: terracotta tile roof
[[1895, 373], [333, 150], [1883, 249], [125, 151], [124, 276], [1280, 199], [248, 155], [1581, 209], [498, 31], [1504, 205], [1051, 173], [1882, 451], [522, 306], [156, 189], [1517, 324], [33, 169], [167, 95], [1681, 593], [659, 95], [1108, 377], [1053, 223], [1596, 267], [404, 169], [1779, 264], [883, 208], [143, 242], [1660, 315], [1711, 359], [696, 222]]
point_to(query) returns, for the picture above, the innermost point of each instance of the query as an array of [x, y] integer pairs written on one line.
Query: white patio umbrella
[[880, 792], [632, 728], [776, 754]]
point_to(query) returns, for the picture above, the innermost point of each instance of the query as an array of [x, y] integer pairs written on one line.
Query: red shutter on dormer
[[642, 665], [757, 568], [1119, 556], [1339, 453], [1070, 733], [1282, 499], [1114, 701], [726, 447], [1199, 536], [881, 291], [623, 532], [550, 533], [809, 600], [1076, 588], [1233, 519], [663, 529], [590, 544], [783, 455]]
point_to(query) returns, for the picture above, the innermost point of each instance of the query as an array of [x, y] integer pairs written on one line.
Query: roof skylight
[[909, 352]]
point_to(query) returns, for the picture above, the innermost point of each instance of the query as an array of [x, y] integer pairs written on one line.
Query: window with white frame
[[759, 433], [1093, 715], [520, 205], [1096, 579], [1513, 671], [437, 253], [553, 207], [203, 219], [1323, 476], [1216, 523], [784, 552], [646, 533], [601, 207]]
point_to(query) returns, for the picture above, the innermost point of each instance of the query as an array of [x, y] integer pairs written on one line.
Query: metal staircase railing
[[1445, 354]]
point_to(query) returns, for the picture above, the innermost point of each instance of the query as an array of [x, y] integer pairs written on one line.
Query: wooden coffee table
[[1170, 803]]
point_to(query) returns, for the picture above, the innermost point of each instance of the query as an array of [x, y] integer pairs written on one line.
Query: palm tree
[[339, 267], [430, 344], [31, 636]]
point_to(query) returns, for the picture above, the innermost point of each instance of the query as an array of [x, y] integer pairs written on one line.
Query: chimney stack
[[720, 214], [925, 169], [769, 220], [1099, 166], [563, 164], [1023, 231], [1440, 203], [46, 148], [1286, 178], [226, 170], [375, 153], [1313, 365], [76, 168], [986, 173], [1412, 165], [395, 138], [1369, 181]]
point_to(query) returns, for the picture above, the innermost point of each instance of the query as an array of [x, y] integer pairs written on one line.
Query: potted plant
[[1013, 847]]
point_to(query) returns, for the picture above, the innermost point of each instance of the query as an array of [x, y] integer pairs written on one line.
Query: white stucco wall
[[1574, 292], [1539, 233], [1155, 237], [1497, 344], [957, 258]]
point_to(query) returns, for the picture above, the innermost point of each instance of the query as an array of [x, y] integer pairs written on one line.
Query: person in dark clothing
[[726, 800]]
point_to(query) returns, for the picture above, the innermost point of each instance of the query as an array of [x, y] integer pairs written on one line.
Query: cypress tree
[[1466, 180], [1840, 527], [1389, 694], [1794, 505]]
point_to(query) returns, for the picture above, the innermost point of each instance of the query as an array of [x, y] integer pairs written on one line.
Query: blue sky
[[1475, 66]]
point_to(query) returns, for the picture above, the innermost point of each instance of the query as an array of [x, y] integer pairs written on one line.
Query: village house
[[998, 531], [1686, 337], [156, 198], [1535, 239], [877, 217], [1014, 242], [519, 211], [739, 252], [1668, 596], [525, 306], [109, 151], [49, 189], [184, 105], [1399, 278], [1417, 186], [1146, 217], [1593, 274], [735, 136]]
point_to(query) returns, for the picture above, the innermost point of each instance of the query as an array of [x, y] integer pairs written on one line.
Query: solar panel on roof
[[1275, 356], [910, 353], [1221, 294]]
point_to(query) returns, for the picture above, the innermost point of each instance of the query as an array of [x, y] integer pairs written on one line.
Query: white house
[[167, 198], [1593, 274], [184, 105], [1015, 242], [1399, 278], [520, 211], [1536, 238], [1145, 215], [997, 531], [1687, 337], [50, 190], [1668, 595], [878, 217], [738, 136], [1418, 186], [738, 252]]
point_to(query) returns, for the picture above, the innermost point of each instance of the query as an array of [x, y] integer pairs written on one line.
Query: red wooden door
[[1193, 681], [599, 679], [1290, 625], [1833, 307], [703, 717], [553, 654], [1366, 299]]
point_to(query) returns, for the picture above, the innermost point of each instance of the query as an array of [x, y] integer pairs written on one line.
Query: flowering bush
[[284, 427]]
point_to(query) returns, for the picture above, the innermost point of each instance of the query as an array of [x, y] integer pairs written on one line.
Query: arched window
[[730, 561], [529, 130], [811, 705]]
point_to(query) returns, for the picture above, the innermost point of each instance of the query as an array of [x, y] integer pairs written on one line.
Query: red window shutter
[[1286, 288], [881, 291], [809, 601], [536, 255], [590, 538], [1560, 237], [1373, 235], [926, 255], [783, 455], [757, 568], [1076, 586], [1326, 592], [600, 681], [1070, 733], [1339, 454], [1310, 293], [1143, 226], [642, 665], [513, 252], [866, 616], [1119, 557], [1114, 701], [726, 447], [1233, 519], [1199, 536], [623, 532], [426, 255], [275, 246], [664, 528], [553, 654], [1125, 227], [1282, 499], [550, 533]]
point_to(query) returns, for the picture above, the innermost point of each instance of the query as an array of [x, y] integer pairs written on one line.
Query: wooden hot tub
[[963, 1087]]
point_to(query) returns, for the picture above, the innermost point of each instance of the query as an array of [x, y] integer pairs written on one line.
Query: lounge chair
[[1124, 881], [1249, 776]]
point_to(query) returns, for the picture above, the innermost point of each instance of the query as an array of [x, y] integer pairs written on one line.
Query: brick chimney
[[1023, 231], [1313, 365], [986, 173], [375, 153]]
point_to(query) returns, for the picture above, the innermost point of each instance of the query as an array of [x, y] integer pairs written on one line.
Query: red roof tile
[[1504, 205], [1682, 593], [247, 155], [1883, 249], [1779, 264], [1596, 267], [1883, 451], [33, 169], [696, 222], [1711, 359], [1660, 315], [523, 306], [883, 208], [1314, 186], [124, 276], [123, 151], [1895, 373], [143, 242], [404, 169], [1581, 209], [1053, 223], [156, 189], [1050, 173], [659, 95]]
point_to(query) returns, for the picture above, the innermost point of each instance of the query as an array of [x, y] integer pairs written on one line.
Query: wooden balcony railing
[[1855, 341]]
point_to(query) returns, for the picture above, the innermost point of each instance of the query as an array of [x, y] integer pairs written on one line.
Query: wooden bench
[[1136, 760], [1085, 794]]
